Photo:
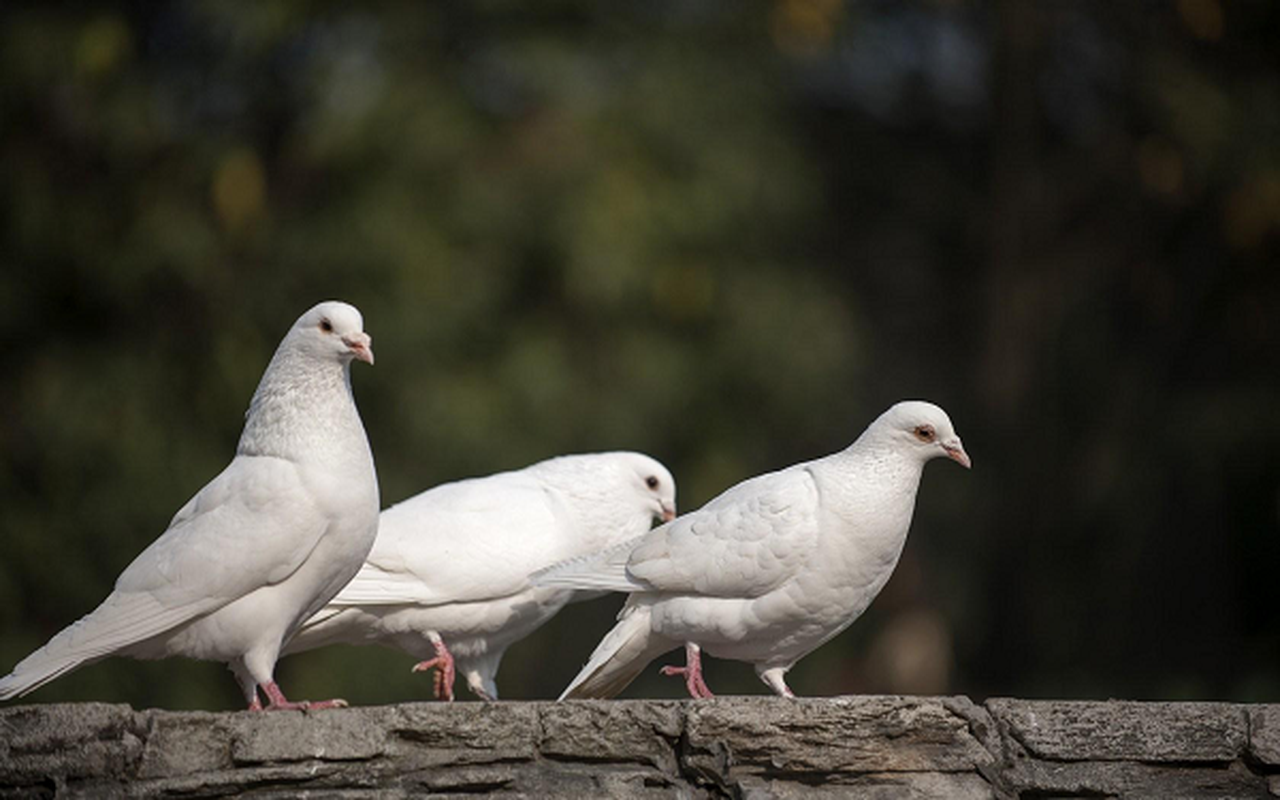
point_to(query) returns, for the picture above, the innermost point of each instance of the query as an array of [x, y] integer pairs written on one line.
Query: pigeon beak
[[361, 346], [668, 513], [955, 451]]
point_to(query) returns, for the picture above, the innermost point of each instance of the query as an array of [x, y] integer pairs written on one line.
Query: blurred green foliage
[[726, 234]]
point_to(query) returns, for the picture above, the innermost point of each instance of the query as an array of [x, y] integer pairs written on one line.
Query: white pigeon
[[260, 548], [448, 577], [769, 570]]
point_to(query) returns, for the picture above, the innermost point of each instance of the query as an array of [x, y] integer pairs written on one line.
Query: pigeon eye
[[651, 482], [924, 433], [326, 325]]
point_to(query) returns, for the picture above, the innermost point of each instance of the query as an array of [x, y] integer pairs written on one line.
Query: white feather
[[264, 544], [454, 562], [771, 568]]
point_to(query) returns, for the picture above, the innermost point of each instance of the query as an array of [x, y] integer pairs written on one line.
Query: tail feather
[[602, 571], [123, 619], [21, 682], [331, 625], [621, 656]]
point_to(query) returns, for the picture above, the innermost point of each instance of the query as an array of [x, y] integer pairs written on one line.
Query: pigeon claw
[[278, 702], [445, 671], [692, 673], [692, 680]]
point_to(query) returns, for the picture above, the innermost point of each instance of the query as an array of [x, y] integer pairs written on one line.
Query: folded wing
[[744, 543], [252, 526], [462, 542]]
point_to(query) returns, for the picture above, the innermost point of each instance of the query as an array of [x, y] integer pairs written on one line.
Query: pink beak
[[955, 451], [361, 346], [668, 514]]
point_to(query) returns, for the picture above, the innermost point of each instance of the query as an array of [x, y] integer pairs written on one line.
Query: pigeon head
[[654, 483], [333, 330], [923, 429]]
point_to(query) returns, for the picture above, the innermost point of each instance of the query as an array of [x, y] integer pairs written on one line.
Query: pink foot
[[692, 672], [278, 702], [445, 672]]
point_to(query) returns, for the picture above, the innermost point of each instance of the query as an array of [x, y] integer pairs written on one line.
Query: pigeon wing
[[251, 526], [743, 543], [462, 542]]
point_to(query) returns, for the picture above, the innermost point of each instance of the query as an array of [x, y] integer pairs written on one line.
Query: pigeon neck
[[302, 405], [879, 482], [882, 448]]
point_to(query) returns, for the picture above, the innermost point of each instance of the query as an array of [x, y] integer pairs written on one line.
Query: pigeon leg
[[280, 703], [442, 681], [692, 672], [775, 679], [247, 684], [475, 682]]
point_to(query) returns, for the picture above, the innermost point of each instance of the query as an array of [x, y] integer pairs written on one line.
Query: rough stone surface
[[741, 747], [1125, 731], [1264, 734]]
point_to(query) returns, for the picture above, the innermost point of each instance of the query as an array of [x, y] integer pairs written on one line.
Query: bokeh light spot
[[239, 189]]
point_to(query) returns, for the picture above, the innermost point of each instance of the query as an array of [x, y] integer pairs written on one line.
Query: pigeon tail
[[24, 681], [329, 625], [621, 656], [605, 570], [122, 620]]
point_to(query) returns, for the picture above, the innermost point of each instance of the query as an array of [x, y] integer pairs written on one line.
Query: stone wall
[[890, 747]]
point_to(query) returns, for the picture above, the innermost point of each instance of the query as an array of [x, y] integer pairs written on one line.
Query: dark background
[[727, 234]]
